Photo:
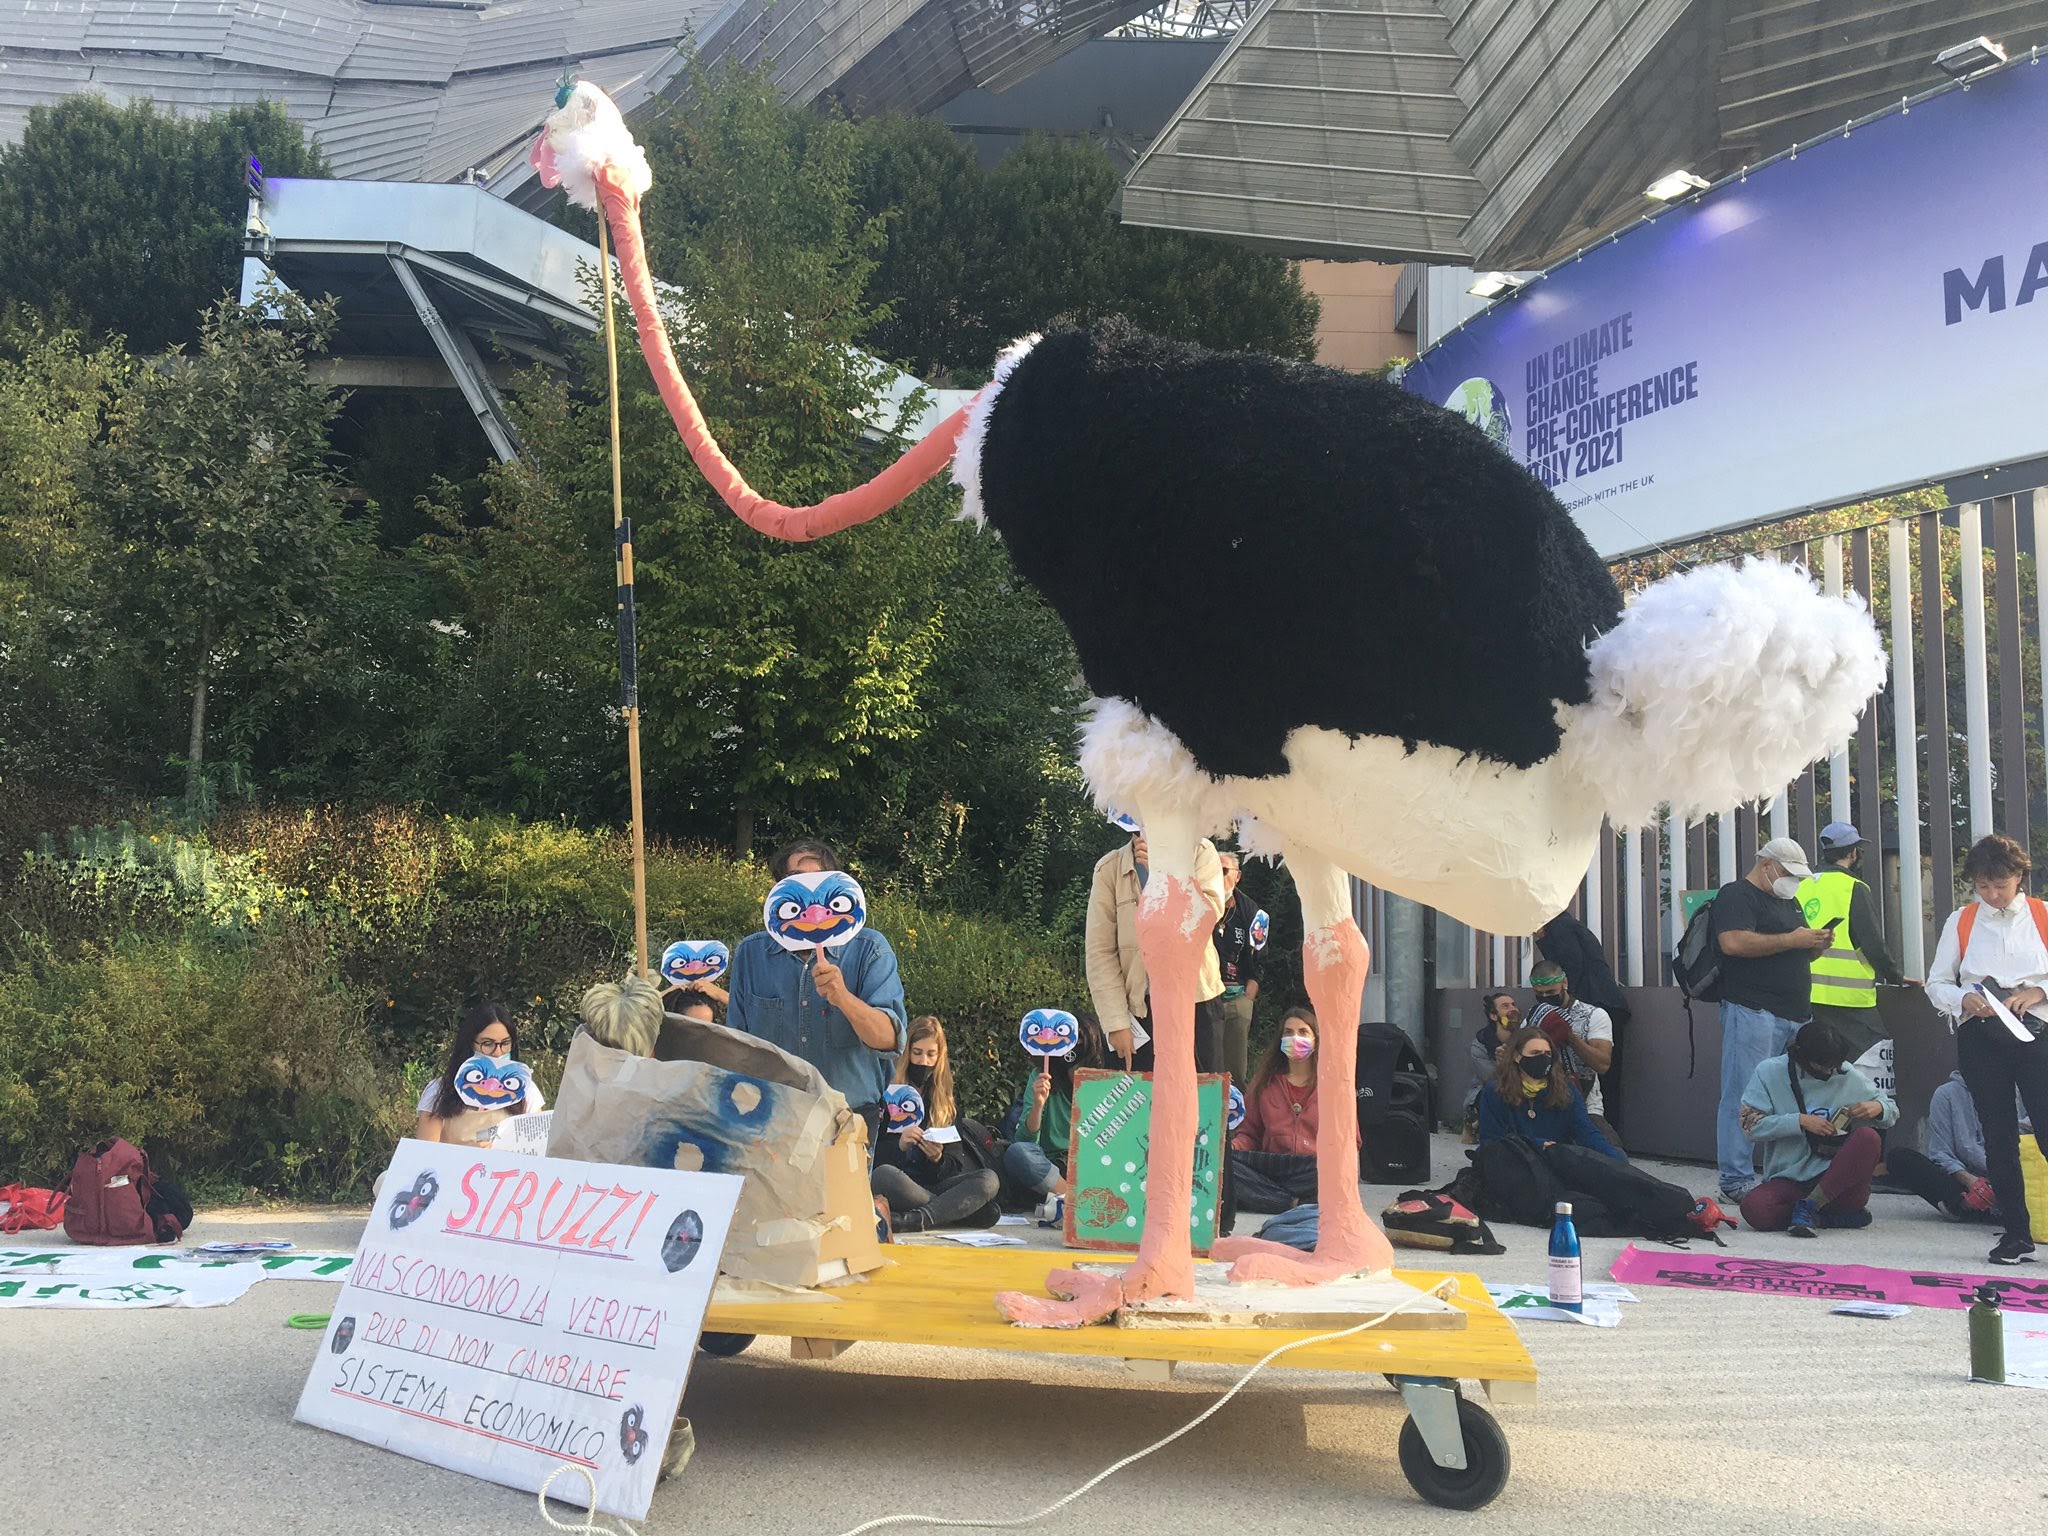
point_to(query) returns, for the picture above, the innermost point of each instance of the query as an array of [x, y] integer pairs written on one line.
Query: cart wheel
[[724, 1345], [1482, 1477]]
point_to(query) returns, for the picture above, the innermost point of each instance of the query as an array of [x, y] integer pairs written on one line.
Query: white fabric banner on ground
[[2026, 1352], [507, 1315], [189, 1285]]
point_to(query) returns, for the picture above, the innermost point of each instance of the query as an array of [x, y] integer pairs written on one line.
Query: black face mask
[[1535, 1068], [919, 1078], [1820, 1074]]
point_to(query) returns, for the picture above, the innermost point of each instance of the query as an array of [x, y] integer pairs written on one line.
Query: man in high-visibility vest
[[1846, 973]]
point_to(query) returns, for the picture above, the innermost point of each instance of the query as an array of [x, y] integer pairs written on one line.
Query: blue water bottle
[[1567, 1273]]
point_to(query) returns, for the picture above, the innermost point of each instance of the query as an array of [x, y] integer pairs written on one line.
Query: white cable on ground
[[589, 1527]]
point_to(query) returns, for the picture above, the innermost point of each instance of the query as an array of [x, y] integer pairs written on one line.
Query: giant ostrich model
[[1452, 700]]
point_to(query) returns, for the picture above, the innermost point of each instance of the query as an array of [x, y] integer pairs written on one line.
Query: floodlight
[[1491, 285], [1965, 59], [1674, 185]]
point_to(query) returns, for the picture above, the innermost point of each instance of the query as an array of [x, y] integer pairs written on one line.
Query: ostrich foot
[[1253, 1259], [1081, 1297]]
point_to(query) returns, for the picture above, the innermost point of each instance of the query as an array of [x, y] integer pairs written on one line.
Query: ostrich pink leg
[[1174, 926], [1334, 962]]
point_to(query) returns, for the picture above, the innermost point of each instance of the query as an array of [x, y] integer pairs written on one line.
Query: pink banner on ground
[[1824, 1282]]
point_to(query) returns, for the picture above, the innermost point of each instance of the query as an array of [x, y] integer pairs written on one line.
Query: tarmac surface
[[1702, 1412]]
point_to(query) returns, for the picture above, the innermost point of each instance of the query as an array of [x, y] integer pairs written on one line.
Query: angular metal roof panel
[[160, 26], [57, 25]]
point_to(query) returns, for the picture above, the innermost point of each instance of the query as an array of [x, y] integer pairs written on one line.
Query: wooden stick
[[629, 679]]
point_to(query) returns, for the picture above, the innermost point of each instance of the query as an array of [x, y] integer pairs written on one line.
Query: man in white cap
[[1846, 973], [1766, 983]]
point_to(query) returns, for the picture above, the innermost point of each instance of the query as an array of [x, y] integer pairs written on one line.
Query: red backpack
[[24, 1208], [114, 1199]]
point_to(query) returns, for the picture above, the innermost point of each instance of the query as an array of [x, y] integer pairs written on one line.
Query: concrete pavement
[[1702, 1412]]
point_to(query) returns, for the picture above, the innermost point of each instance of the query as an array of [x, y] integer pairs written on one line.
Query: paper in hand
[[2005, 1015]]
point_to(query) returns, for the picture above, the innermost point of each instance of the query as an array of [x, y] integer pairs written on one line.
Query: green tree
[[226, 527], [929, 286], [128, 221]]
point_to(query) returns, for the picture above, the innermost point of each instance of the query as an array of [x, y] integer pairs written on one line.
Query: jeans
[[1768, 1207], [1993, 1064], [1748, 1037], [960, 1201], [1273, 1181], [1028, 1171]]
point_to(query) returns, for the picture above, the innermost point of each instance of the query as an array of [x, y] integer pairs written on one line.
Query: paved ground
[[1701, 1413]]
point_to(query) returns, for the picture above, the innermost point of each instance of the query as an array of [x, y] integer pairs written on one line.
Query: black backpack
[[1696, 963], [1394, 1109]]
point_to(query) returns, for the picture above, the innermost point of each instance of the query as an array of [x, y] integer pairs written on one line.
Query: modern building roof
[[1507, 133]]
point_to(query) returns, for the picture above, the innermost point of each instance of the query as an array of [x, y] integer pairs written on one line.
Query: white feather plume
[[585, 133], [1717, 687], [967, 453], [1131, 761]]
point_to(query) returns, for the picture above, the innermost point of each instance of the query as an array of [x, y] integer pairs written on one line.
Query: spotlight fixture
[[1491, 285], [1674, 185], [1966, 59]]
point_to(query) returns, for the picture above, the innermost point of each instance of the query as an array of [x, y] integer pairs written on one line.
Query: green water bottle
[[1987, 1336]]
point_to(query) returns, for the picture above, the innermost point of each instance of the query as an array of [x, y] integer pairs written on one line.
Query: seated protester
[[1952, 1175], [1503, 1018], [1537, 1146], [486, 1030], [1584, 1034], [1040, 1122], [692, 1003], [1273, 1153], [927, 1182], [1816, 1174], [700, 1001], [1532, 1096]]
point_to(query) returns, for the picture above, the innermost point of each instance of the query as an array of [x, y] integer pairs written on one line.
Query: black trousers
[[1916, 1171], [1993, 1064], [1208, 1040], [1270, 1182]]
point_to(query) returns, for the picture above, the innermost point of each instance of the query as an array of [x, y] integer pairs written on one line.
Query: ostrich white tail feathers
[[583, 134], [1717, 687], [967, 456]]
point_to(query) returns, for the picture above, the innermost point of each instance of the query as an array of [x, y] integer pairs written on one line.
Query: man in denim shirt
[[844, 1015]]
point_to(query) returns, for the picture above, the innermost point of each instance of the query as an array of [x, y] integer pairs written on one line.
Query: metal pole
[[629, 660], [1906, 748], [1976, 682]]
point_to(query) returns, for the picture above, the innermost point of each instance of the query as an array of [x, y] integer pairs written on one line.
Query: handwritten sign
[[1108, 1153], [507, 1314]]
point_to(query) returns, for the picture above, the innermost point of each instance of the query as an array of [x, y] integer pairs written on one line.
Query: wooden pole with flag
[[629, 669]]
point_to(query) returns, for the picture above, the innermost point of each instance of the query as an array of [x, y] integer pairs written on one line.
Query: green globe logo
[[1481, 402]]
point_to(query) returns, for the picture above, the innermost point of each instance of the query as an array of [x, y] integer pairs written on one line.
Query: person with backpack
[[1764, 988], [1273, 1151], [1996, 947], [928, 1178], [1815, 1118], [1039, 1125]]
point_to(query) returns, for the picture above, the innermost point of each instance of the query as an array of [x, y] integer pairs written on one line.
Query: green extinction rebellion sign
[[1109, 1151]]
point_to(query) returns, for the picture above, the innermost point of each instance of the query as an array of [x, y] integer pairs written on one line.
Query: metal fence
[[1951, 750]]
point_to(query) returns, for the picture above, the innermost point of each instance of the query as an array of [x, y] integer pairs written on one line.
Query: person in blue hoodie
[[1952, 1175], [1533, 1096], [1816, 1119]]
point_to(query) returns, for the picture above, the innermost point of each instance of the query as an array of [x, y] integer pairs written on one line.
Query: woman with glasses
[[486, 1030]]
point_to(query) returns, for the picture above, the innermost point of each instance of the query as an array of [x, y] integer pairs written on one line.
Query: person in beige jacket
[[1116, 968]]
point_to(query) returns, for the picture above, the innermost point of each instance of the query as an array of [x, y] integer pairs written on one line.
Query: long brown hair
[[938, 1104], [1507, 1077], [1274, 1063], [448, 1103]]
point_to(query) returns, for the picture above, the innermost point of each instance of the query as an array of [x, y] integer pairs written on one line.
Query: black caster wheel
[[1482, 1477], [724, 1345]]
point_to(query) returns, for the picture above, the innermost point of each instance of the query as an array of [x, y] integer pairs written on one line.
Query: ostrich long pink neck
[[796, 524]]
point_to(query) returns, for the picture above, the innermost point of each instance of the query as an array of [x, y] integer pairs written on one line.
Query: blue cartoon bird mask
[[825, 907], [1261, 930], [692, 960], [1049, 1032], [904, 1106], [482, 1083]]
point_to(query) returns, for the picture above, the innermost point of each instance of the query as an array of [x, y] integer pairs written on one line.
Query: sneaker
[[1052, 1211], [1804, 1219], [1853, 1220], [2013, 1250], [1731, 1195]]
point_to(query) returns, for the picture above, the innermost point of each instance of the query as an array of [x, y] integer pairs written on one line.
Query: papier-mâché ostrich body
[[1452, 696]]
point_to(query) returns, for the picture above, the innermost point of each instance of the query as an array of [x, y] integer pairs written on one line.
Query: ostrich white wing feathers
[[967, 456], [1718, 686], [581, 135]]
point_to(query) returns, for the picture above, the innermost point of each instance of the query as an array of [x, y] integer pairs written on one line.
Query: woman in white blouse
[[1998, 945]]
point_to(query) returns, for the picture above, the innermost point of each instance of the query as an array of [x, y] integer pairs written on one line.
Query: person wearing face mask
[[1503, 1018], [1273, 1152], [1766, 988], [1998, 945], [1815, 1119], [1533, 1096], [1846, 973], [924, 1177], [1583, 1033]]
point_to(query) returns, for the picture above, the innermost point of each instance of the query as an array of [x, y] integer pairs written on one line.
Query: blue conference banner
[[1859, 318]]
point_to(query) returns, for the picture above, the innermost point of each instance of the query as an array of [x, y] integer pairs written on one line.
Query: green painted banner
[[1108, 1152]]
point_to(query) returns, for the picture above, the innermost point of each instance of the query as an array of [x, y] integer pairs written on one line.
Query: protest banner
[[1829, 1282], [507, 1315], [136, 1277], [1107, 1158]]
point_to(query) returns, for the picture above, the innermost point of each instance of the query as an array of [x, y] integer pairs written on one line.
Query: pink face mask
[[1300, 1047]]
